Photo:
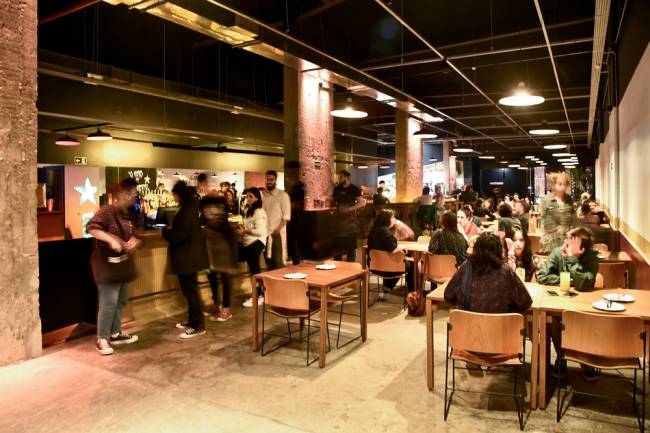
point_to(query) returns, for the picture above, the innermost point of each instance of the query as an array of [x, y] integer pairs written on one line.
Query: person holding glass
[[253, 236]]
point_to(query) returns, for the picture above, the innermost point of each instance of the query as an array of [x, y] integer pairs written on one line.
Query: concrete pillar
[[20, 325], [408, 157], [449, 160], [309, 134]]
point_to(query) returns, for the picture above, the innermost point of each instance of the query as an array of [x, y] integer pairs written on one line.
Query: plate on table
[[326, 266], [608, 306], [618, 297], [295, 276]]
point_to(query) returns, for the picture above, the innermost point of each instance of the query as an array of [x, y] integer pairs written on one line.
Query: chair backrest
[[534, 243], [614, 275], [383, 261], [486, 333], [424, 239], [532, 225], [602, 248], [283, 293], [438, 266], [600, 281], [602, 335]]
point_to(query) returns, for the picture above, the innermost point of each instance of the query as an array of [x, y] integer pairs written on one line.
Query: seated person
[[448, 240], [402, 232], [507, 223], [381, 238], [485, 283], [586, 218], [484, 209], [520, 211], [520, 254], [577, 257], [466, 224], [379, 197]]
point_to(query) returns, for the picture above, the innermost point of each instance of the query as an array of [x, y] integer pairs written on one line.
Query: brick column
[[309, 133], [20, 325], [408, 157]]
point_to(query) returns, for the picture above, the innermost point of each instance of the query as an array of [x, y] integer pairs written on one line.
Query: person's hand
[[115, 245], [240, 230], [574, 247], [510, 245], [132, 245]]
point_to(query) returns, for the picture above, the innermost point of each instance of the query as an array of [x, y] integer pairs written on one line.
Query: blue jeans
[[112, 299]]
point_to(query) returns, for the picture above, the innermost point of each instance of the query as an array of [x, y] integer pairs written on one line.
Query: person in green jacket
[[575, 256]]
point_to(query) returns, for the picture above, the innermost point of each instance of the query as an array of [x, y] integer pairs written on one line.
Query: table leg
[[416, 273], [542, 359], [323, 326], [429, 319], [254, 313], [364, 307], [534, 360], [364, 260]]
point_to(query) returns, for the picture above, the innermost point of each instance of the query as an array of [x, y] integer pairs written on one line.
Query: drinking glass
[[565, 282], [521, 273]]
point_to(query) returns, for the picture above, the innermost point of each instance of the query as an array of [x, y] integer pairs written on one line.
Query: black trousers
[[190, 291], [345, 245], [251, 255], [214, 287], [293, 236], [391, 283]]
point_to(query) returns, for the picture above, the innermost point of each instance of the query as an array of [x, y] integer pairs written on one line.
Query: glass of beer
[[521, 273], [565, 282]]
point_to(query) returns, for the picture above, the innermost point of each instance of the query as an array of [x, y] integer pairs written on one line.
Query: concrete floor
[[216, 384]]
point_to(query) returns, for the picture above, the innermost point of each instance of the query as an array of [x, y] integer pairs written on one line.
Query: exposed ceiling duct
[[600, 35]]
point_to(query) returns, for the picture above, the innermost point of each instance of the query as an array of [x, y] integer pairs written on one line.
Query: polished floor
[[215, 383]]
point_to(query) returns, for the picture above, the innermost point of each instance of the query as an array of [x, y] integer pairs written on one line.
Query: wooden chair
[[602, 248], [614, 275], [532, 225], [534, 242], [605, 342], [387, 265], [600, 281], [438, 268], [288, 299], [424, 240], [487, 340]]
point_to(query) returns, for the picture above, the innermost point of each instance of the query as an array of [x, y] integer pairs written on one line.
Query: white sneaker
[[123, 338], [191, 333], [104, 347], [382, 295], [248, 303]]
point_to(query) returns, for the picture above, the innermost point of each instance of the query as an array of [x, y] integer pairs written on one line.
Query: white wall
[[632, 179]]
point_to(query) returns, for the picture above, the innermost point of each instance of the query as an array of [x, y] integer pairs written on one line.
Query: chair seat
[[289, 313], [486, 359], [601, 362], [438, 280]]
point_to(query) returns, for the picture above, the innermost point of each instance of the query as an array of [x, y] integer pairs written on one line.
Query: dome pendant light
[[349, 112], [99, 135], [425, 132], [521, 98], [67, 141]]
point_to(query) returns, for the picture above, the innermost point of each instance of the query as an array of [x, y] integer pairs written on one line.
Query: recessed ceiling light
[[531, 157], [503, 162], [432, 159], [486, 157], [561, 154], [362, 166], [67, 141], [555, 146], [99, 135], [514, 165], [384, 166], [463, 149], [565, 160], [522, 168], [521, 98]]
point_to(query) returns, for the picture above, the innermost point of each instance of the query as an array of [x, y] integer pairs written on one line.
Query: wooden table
[[416, 248], [555, 305], [536, 292], [345, 273]]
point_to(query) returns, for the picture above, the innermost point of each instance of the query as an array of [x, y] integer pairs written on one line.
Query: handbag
[[110, 267]]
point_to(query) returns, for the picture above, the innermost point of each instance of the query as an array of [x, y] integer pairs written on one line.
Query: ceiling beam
[[327, 4]]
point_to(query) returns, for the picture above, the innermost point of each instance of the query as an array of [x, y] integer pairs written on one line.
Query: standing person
[[425, 199], [449, 240], [202, 185], [347, 198], [112, 265], [297, 199], [379, 198], [468, 196], [277, 205], [232, 207], [253, 236], [188, 256], [222, 251], [557, 215]]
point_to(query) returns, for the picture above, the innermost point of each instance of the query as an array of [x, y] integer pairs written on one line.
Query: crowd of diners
[[487, 255], [487, 236]]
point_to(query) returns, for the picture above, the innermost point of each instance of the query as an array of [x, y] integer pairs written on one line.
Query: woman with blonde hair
[[557, 214]]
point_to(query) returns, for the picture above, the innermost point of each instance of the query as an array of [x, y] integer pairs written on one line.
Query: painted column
[[309, 133], [20, 325], [449, 160], [408, 157]]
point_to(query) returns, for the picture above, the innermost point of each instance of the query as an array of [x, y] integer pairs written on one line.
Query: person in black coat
[[187, 256]]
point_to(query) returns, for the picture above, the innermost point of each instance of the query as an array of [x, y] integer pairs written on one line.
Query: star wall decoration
[[87, 192]]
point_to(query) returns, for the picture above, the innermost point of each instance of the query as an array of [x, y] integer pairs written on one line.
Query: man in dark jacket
[[187, 255]]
